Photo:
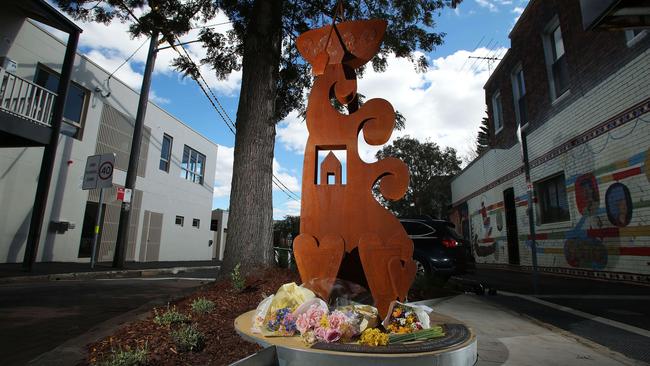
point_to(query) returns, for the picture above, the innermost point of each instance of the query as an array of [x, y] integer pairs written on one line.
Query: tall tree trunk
[[250, 222]]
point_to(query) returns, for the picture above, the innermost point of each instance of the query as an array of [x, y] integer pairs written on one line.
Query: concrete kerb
[[127, 273]]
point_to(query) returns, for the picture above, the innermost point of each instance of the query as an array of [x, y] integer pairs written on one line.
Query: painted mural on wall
[[603, 229]]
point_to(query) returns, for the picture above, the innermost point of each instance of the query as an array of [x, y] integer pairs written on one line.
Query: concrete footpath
[[54, 271], [508, 338]]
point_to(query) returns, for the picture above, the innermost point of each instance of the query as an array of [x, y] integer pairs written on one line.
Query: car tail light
[[449, 243]]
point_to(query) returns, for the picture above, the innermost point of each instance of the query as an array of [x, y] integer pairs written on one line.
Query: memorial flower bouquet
[[316, 324], [404, 319]]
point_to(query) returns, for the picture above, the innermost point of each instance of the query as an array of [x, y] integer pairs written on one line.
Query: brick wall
[[599, 131], [592, 56]]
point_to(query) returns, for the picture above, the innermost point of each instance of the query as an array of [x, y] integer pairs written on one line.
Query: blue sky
[[444, 104]]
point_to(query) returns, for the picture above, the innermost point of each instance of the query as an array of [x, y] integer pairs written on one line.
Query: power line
[[231, 125], [128, 58], [226, 118]]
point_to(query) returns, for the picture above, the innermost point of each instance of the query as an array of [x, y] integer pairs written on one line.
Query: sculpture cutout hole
[[331, 169]]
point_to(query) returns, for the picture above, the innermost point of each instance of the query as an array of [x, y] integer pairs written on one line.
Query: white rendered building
[[172, 201]]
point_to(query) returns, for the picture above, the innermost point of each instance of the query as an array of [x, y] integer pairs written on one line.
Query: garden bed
[[220, 345]]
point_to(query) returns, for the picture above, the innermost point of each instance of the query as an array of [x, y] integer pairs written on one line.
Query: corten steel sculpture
[[338, 218]]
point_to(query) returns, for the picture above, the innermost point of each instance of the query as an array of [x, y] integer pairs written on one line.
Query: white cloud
[[109, 45], [445, 104], [289, 207], [223, 173], [487, 4], [285, 177]]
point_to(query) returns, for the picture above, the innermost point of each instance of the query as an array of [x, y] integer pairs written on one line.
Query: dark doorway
[[88, 229], [511, 225]]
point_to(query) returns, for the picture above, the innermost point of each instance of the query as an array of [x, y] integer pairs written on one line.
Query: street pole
[[131, 174], [98, 224], [531, 212]]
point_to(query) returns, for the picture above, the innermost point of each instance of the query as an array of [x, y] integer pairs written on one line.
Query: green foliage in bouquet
[[188, 339], [202, 305]]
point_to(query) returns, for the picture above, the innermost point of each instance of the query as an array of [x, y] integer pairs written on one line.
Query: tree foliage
[[483, 138], [430, 169]]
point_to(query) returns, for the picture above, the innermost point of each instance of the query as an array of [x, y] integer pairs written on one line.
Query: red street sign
[[123, 194]]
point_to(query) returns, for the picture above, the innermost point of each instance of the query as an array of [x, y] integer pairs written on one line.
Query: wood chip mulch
[[222, 344]]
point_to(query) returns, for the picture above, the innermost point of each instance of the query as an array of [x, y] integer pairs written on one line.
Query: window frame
[[197, 222], [182, 220], [632, 39], [417, 236], [167, 160], [554, 63], [497, 111], [542, 194], [189, 173], [40, 67], [517, 94]]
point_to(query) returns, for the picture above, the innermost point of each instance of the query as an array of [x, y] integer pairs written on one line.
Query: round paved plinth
[[291, 351]]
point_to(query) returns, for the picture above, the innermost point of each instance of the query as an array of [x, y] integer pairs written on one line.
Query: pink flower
[[337, 319], [314, 314], [320, 333], [302, 323], [332, 335]]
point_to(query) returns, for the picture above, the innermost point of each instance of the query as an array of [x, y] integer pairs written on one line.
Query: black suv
[[437, 248]]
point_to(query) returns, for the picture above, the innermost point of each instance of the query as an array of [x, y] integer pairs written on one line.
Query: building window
[[497, 112], [519, 94], [633, 36], [180, 220], [75, 102], [552, 200], [556, 63], [193, 165], [166, 153], [196, 223], [214, 225]]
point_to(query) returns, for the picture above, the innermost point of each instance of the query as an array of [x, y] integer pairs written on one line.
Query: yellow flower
[[323, 321], [373, 337]]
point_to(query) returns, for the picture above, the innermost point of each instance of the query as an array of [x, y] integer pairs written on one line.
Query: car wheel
[[421, 269]]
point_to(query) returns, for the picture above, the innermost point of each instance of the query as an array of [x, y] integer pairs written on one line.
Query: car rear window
[[417, 229]]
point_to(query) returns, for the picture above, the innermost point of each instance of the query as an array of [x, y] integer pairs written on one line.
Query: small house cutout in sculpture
[[337, 219]]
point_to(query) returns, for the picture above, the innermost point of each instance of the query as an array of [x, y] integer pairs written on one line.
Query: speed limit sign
[[99, 171]]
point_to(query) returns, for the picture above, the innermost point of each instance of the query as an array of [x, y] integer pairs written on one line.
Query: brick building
[[583, 100]]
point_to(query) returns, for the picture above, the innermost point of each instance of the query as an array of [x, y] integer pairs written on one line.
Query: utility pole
[[132, 171]]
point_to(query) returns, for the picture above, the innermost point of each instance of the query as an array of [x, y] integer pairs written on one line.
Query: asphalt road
[[596, 310], [37, 317]]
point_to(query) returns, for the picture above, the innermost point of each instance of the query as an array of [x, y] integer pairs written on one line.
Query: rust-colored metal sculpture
[[339, 218]]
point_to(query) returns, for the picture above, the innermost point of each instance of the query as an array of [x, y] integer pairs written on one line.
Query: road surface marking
[[595, 297], [612, 323]]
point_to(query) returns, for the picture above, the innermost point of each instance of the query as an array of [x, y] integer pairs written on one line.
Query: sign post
[[98, 174]]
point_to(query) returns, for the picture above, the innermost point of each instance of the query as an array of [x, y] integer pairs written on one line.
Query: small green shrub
[[202, 305], [169, 316], [238, 281], [131, 357], [187, 338]]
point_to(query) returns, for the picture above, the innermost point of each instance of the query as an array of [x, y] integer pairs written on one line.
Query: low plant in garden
[[188, 339], [126, 357], [202, 305], [169, 316], [238, 281]]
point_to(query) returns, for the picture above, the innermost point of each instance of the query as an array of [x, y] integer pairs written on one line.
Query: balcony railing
[[25, 99]]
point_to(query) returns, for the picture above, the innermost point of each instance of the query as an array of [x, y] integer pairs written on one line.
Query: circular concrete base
[[291, 351]]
